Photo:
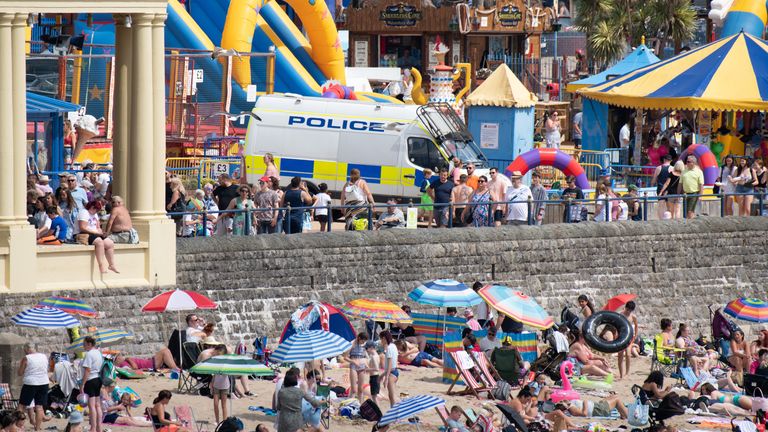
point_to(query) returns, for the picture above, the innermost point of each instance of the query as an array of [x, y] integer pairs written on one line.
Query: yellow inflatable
[[417, 94]]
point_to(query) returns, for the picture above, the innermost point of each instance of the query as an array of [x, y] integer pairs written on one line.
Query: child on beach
[[374, 369], [624, 356], [220, 388]]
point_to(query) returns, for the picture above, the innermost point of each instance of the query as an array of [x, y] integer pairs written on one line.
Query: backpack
[[230, 424], [370, 411], [501, 390], [108, 374]]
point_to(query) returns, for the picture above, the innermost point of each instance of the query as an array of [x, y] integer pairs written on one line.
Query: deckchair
[[489, 373], [186, 416], [691, 381], [465, 366], [665, 359], [324, 391], [189, 382], [8, 401], [148, 413]]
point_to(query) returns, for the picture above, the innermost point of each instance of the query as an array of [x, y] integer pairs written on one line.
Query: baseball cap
[[265, 179], [370, 344], [632, 187]]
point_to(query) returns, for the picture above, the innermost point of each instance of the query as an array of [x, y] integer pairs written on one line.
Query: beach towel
[[65, 374], [267, 411], [452, 342], [128, 373]]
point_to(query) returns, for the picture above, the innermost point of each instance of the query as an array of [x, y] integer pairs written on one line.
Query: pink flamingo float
[[567, 392]]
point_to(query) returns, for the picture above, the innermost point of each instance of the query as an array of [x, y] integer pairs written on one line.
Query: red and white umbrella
[[179, 300]]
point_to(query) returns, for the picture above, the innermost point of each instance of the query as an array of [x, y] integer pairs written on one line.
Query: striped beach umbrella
[[517, 306], [104, 338], [377, 310], [748, 309], [69, 305], [231, 364], [729, 74], [310, 345], [445, 293], [178, 300], [409, 407], [45, 317]]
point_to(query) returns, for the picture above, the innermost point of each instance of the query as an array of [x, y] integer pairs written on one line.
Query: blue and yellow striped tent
[[730, 74]]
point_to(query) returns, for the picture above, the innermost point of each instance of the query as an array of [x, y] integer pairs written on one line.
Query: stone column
[[7, 209], [141, 176], [19, 125], [158, 113], [122, 109]]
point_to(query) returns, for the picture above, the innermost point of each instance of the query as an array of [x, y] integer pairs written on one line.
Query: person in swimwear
[[409, 354], [583, 360]]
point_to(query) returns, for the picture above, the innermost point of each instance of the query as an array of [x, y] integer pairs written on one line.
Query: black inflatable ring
[[614, 319]]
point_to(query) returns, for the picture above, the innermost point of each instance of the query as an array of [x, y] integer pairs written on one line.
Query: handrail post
[[491, 221], [205, 222], [287, 218], [645, 206], [759, 204], [607, 208], [370, 217], [723, 197], [530, 210], [685, 206], [568, 209], [247, 221], [450, 215], [330, 217]]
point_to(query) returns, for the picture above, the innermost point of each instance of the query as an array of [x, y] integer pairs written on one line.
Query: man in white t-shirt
[[517, 212], [489, 342], [91, 382], [194, 328], [624, 136], [483, 314]]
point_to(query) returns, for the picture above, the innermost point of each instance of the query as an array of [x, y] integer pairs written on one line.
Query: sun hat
[[44, 179], [75, 418], [516, 174], [210, 340], [507, 341], [468, 313]]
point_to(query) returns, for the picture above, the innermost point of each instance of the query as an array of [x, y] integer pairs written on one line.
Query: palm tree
[[672, 20]]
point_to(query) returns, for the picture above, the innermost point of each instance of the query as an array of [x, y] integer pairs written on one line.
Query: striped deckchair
[[464, 365]]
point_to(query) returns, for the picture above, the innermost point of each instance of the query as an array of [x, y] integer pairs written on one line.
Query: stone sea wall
[[676, 268]]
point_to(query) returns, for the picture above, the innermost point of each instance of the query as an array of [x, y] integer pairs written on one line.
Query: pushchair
[[658, 411], [722, 329], [548, 364], [570, 319]]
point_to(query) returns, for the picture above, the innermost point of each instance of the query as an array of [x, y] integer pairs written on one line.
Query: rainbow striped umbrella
[[748, 309], [517, 306], [377, 310], [69, 305], [445, 293], [103, 338]]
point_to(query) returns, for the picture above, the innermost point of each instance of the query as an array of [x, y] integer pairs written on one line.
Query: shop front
[[392, 33]]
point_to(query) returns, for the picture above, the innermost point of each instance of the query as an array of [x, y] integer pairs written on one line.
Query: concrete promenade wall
[[677, 268]]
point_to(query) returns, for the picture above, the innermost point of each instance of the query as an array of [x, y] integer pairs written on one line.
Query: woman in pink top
[[162, 358], [271, 170], [658, 150]]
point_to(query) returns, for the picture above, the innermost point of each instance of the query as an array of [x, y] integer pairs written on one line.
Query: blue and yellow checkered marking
[[336, 171]]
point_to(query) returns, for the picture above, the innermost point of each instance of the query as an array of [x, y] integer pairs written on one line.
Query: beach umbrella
[[319, 316], [69, 305], [45, 317], [376, 310], [748, 309], [231, 364], [104, 338], [178, 300], [310, 345], [409, 407], [445, 293], [517, 306], [614, 303]]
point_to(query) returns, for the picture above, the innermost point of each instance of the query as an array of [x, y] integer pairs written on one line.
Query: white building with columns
[[138, 153]]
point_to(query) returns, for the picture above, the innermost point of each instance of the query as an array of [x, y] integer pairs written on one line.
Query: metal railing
[[370, 210]]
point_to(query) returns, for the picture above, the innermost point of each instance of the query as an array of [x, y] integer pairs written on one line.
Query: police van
[[321, 140]]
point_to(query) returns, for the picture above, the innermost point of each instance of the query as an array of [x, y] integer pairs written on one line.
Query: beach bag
[[353, 192], [230, 424], [360, 224], [637, 414], [108, 374], [306, 223], [501, 390], [370, 411], [759, 403], [133, 236]]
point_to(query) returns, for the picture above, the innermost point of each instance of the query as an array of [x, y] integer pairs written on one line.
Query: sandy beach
[[413, 381]]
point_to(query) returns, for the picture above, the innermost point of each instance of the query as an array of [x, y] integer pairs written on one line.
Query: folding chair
[[489, 373], [8, 402], [465, 366], [324, 391], [189, 382], [667, 360], [148, 413], [186, 416]]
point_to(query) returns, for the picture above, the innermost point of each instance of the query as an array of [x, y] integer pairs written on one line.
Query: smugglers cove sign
[[400, 15], [510, 15]]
